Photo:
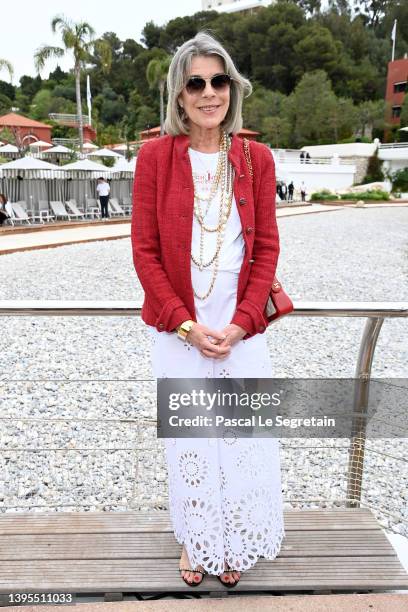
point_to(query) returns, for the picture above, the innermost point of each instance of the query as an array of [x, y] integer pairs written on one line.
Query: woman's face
[[207, 108]]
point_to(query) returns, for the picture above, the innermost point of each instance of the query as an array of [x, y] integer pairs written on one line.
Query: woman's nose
[[208, 89]]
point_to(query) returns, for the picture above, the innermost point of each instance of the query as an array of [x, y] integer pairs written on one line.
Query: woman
[[205, 247]]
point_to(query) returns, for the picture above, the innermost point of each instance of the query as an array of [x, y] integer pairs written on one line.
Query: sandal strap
[[188, 569]]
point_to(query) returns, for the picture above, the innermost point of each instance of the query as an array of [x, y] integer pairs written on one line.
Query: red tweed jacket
[[161, 232]]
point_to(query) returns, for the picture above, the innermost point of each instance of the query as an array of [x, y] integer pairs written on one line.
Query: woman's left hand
[[234, 333]]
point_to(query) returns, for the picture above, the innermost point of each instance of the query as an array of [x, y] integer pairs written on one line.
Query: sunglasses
[[196, 84]]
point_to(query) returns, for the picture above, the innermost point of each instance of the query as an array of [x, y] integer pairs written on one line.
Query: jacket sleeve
[[168, 307], [249, 313]]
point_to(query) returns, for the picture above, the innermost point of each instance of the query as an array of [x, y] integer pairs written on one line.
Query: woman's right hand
[[208, 347]]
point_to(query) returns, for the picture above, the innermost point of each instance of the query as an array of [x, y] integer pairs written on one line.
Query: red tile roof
[[156, 130], [12, 119]]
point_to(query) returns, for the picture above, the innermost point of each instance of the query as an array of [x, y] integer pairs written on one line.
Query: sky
[[26, 25]]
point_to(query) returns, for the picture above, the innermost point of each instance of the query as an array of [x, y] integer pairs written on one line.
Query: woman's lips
[[208, 110]]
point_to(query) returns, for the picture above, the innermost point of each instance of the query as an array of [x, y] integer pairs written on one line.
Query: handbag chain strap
[[247, 154]]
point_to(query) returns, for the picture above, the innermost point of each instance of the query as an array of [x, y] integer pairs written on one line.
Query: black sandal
[[192, 584], [230, 585]]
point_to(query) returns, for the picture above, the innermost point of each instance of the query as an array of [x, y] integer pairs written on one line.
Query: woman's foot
[[192, 577], [231, 577]]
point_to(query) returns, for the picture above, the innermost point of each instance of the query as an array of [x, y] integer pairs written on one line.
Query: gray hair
[[202, 44]]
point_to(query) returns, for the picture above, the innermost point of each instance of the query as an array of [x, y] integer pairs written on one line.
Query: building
[[356, 154], [397, 77], [234, 6], [25, 130], [89, 133]]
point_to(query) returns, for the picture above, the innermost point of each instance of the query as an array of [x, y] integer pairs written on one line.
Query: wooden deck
[[331, 550]]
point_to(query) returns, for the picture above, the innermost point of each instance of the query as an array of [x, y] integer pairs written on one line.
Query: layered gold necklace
[[223, 178]]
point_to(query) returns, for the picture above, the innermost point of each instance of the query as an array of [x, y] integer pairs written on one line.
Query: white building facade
[[234, 6]]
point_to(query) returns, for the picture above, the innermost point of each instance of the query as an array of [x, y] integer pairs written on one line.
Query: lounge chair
[[19, 214], [11, 216], [115, 208], [127, 205], [72, 205], [60, 211], [44, 210], [92, 207]]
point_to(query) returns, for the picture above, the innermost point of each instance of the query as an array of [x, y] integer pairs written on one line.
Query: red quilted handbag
[[279, 303]]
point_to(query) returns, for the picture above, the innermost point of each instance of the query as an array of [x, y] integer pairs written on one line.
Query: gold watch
[[184, 328]]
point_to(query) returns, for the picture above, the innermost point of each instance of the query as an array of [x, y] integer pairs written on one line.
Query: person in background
[[302, 157], [279, 190], [303, 191], [284, 190], [291, 189], [5, 209], [103, 191]]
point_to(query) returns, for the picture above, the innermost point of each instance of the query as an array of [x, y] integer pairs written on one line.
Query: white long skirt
[[225, 495]]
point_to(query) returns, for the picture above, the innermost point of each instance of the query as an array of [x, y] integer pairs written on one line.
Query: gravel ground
[[76, 390]]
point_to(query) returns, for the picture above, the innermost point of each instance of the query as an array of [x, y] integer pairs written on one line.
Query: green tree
[[5, 104], [370, 115], [316, 49], [156, 75], [78, 39], [276, 131], [6, 65], [374, 172], [151, 35], [7, 89], [312, 105]]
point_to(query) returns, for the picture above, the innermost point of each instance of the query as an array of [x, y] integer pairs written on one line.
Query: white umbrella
[[57, 149], [30, 167], [85, 165], [120, 147], [122, 165], [89, 145], [104, 153], [39, 144], [9, 148], [85, 168]]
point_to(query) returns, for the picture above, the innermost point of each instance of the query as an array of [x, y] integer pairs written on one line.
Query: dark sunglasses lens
[[220, 81], [195, 84]]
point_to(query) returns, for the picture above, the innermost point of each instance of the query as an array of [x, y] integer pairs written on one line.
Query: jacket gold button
[[241, 176], [261, 328], [161, 325], [249, 230], [242, 200]]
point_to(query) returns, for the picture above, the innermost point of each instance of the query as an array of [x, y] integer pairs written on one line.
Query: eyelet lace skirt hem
[[225, 495]]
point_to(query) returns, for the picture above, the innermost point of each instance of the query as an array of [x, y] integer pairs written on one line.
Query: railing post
[[361, 391]]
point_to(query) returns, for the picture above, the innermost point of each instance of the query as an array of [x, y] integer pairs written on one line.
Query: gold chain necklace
[[226, 180]]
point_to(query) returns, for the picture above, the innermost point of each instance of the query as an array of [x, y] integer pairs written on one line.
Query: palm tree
[[156, 74], [78, 38], [5, 65]]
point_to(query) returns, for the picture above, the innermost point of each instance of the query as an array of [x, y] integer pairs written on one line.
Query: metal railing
[[320, 161], [67, 119], [374, 312], [394, 145]]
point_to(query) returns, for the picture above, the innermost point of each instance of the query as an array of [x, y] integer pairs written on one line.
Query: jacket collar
[[182, 141]]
